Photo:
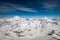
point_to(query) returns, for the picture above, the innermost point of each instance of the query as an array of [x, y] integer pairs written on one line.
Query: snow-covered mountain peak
[[45, 17], [16, 17], [28, 27]]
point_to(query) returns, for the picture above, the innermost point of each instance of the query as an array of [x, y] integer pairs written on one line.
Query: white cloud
[[51, 4], [11, 7], [5, 7], [26, 9]]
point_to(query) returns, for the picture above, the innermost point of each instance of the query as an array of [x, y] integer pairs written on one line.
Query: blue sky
[[30, 7]]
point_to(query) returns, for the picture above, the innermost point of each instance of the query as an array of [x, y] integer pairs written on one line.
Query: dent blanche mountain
[[18, 28]]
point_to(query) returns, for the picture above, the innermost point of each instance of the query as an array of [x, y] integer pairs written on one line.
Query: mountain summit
[[16, 18]]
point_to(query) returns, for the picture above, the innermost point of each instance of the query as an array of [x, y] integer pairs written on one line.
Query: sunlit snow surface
[[18, 28]]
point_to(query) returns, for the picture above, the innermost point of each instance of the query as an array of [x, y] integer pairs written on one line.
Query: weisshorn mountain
[[18, 28]]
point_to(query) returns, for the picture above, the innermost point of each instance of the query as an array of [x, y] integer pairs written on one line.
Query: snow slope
[[18, 28]]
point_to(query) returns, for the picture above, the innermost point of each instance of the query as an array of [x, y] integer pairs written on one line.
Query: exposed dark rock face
[[27, 19], [16, 32], [29, 30], [52, 32], [6, 34], [19, 33], [55, 23], [54, 19]]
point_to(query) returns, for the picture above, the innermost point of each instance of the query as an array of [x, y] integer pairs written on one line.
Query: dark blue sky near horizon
[[30, 7]]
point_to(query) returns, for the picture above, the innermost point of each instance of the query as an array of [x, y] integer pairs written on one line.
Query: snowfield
[[18, 28]]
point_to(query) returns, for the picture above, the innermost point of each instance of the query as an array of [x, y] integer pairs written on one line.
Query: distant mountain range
[[27, 27]]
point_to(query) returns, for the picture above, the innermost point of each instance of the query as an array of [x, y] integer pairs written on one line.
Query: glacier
[[19, 28]]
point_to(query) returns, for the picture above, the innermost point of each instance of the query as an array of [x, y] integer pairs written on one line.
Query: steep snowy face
[[28, 27]]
